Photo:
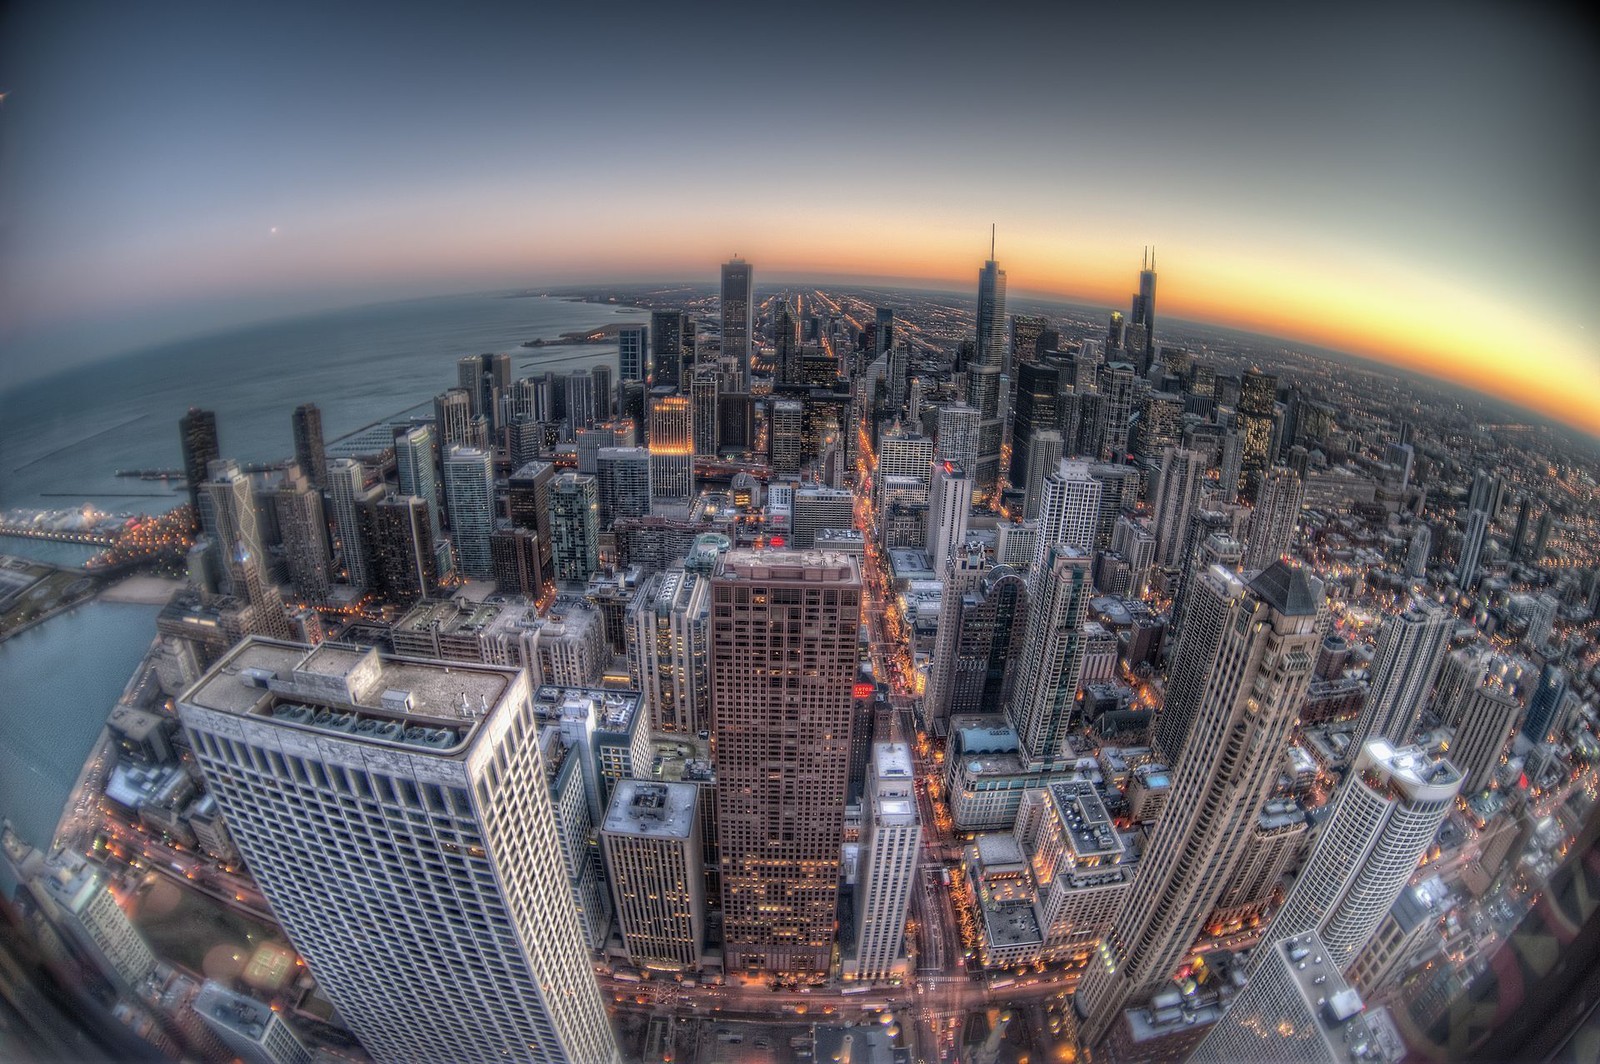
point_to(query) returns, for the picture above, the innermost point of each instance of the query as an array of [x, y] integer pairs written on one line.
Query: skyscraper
[[738, 316], [1384, 820], [414, 455], [1259, 676], [783, 665], [652, 845], [347, 492], [705, 393], [1038, 384], [1544, 705], [308, 448], [452, 419], [1296, 1006], [1411, 647], [1052, 661], [1477, 531], [1044, 456], [622, 478], [992, 339], [671, 451], [197, 433], [667, 355], [340, 773], [891, 836], [1487, 717], [1278, 503], [228, 519], [528, 503], [1213, 601], [403, 560], [1177, 496], [669, 649], [1143, 319], [633, 352], [303, 526], [574, 527], [1258, 397], [949, 506], [469, 495], [1069, 512]]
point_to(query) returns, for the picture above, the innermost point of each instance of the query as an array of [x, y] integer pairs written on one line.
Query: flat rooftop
[[648, 809], [612, 710], [336, 687], [1083, 814], [894, 760], [1338, 1008]]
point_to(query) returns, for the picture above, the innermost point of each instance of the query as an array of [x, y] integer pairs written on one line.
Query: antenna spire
[[991, 241]]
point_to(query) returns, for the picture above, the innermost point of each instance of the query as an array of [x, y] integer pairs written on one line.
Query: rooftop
[[612, 711], [894, 760], [237, 1012], [654, 810], [1084, 817], [1338, 1008], [1289, 589]]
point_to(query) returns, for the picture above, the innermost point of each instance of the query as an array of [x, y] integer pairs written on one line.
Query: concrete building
[[1411, 648], [891, 838], [252, 1029], [784, 654], [651, 839], [339, 772]]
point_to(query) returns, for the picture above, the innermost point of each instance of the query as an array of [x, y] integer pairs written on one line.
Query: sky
[[1408, 182]]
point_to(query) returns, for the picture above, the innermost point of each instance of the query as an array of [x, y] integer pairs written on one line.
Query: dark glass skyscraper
[[308, 448], [197, 431], [738, 314]]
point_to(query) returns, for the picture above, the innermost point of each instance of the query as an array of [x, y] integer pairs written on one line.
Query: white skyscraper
[[949, 506], [1417, 552], [1069, 512], [1277, 512], [902, 454], [1411, 647], [956, 438], [346, 494], [365, 791], [1385, 819], [891, 834], [469, 498]]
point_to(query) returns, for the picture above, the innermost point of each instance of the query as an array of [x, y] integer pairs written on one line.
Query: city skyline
[[1331, 213]]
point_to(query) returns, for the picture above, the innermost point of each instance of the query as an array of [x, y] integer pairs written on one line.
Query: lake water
[[62, 439]]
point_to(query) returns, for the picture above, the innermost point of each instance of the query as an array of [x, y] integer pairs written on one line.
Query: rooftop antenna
[[991, 241], [1144, 264], [1152, 256]]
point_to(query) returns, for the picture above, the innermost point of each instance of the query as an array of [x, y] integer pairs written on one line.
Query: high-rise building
[[340, 772], [574, 527], [1116, 389], [1472, 540], [402, 547], [347, 492], [814, 509], [528, 503], [1272, 526], [1214, 600], [786, 342], [949, 506], [1541, 619], [1417, 552], [197, 432], [1236, 743], [738, 316], [891, 836], [705, 393], [1052, 661], [229, 519], [956, 435], [303, 527], [1384, 820], [786, 436], [633, 352], [1026, 332], [1297, 1006], [452, 419], [1177, 496], [469, 496], [883, 334], [668, 357], [1069, 511], [308, 448], [254, 1031], [902, 454], [518, 568], [415, 455], [1411, 647], [669, 649], [1544, 705], [960, 575], [1258, 397], [1143, 319], [622, 477], [651, 839], [992, 339], [783, 665], [1044, 457], [583, 405], [1487, 715], [671, 451], [1081, 868], [1038, 385]]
